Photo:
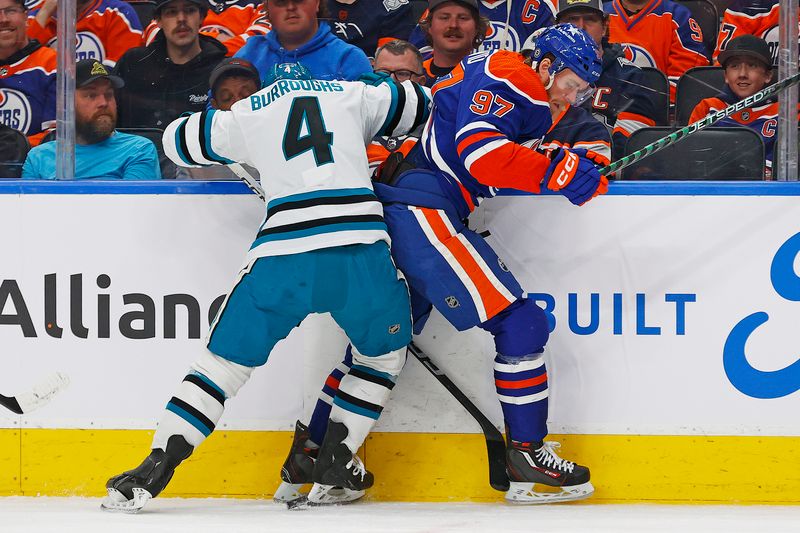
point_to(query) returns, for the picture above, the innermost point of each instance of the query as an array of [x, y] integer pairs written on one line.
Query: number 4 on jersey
[[305, 130]]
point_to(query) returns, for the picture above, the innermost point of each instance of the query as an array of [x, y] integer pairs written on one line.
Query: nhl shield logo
[[3, 72], [503, 266], [15, 110], [745, 115], [391, 5], [393, 329], [452, 302]]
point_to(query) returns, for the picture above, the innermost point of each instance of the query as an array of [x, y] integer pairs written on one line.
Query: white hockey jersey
[[308, 139]]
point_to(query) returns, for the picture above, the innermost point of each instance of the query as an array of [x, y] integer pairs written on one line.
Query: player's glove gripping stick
[[573, 173]]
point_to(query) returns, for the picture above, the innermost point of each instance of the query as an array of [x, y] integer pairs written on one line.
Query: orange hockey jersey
[[230, 21], [28, 91], [105, 30], [753, 17], [662, 34]]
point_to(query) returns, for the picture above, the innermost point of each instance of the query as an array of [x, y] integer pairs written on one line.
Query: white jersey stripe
[[496, 283], [479, 125], [523, 400], [522, 366], [482, 151], [450, 259]]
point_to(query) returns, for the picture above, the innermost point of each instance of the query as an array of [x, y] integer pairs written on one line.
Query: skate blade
[[117, 502], [331, 495], [288, 492], [522, 493]]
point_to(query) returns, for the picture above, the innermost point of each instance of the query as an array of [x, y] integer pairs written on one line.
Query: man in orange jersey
[[747, 61], [105, 29], [657, 33], [27, 76]]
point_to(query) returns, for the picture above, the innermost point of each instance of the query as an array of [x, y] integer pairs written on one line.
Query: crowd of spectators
[[180, 60]]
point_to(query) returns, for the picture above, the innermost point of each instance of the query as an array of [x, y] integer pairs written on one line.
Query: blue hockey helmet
[[572, 48], [287, 71]]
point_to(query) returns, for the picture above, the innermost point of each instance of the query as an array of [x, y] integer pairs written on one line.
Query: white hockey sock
[[195, 409], [363, 392]]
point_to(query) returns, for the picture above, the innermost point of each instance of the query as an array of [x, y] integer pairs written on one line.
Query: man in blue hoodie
[[297, 36]]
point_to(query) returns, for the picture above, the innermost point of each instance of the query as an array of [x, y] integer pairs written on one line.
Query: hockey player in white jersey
[[323, 247]]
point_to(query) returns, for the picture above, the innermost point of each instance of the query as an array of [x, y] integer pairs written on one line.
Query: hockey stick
[[248, 180], [41, 394], [701, 124], [495, 444]]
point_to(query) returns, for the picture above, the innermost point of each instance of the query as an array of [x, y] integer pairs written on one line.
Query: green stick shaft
[[682, 133]]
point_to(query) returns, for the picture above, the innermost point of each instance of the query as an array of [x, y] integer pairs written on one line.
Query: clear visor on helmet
[[574, 90]]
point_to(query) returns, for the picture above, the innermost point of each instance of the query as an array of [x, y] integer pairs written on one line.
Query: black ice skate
[[131, 490], [528, 465], [339, 475], [298, 468]]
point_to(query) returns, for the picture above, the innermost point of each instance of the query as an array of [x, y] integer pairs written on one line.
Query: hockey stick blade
[[248, 180], [495, 444], [701, 124], [40, 395]]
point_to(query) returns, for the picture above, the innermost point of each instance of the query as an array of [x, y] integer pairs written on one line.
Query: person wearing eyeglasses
[[27, 76], [401, 61], [170, 75]]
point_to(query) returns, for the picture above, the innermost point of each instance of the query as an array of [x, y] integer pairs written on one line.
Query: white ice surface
[[60, 515]]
